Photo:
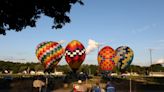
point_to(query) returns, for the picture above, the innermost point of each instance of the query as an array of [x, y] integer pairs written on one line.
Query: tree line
[[17, 67]]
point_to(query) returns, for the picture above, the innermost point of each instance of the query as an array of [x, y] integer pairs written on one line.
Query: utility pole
[[150, 59], [130, 81], [150, 56]]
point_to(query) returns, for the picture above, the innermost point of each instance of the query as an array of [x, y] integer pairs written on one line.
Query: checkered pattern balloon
[[75, 54], [106, 57], [49, 53], [125, 57]]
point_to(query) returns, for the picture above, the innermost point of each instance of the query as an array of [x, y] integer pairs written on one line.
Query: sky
[[134, 23]]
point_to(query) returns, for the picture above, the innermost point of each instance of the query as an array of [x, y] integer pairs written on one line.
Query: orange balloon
[[106, 58]]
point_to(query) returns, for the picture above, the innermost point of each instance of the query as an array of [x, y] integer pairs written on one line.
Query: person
[[79, 87], [38, 84], [96, 88], [110, 87]]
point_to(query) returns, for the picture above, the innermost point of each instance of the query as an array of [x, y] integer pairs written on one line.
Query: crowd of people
[[80, 87], [40, 85]]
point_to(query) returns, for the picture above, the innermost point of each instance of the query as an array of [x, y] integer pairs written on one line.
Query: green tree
[[63, 68], [22, 68], [134, 68], [156, 67], [93, 69], [18, 14], [38, 67]]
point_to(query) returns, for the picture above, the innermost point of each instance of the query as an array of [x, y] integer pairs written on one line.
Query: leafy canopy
[[18, 14]]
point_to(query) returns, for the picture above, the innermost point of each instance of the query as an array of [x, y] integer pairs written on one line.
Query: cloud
[[160, 41], [92, 45], [61, 41], [159, 61], [144, 28], [159, 44], [11, 58]]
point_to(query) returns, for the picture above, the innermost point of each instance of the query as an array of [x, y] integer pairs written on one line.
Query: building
[[156, 74]]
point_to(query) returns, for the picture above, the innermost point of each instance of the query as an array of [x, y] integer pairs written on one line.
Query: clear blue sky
[[135, 23]]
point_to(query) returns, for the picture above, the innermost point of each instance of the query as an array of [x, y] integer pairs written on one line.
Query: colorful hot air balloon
[[125, 57], [75, 54], [49, 53], [106, 57]]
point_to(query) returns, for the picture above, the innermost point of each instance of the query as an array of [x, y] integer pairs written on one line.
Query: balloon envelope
[[75, 54], [125, 56], [49, 53], [106, 57]]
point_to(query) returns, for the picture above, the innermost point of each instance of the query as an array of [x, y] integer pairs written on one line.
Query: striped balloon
[[49, 53], [125, 56], [75, 54]]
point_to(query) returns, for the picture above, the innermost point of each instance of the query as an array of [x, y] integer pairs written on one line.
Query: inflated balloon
[[125, 57], [106, 58], [75, 54], [49, 53]]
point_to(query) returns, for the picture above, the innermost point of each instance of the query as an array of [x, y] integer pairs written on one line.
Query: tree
[[18, 14], [22, 68], [65, 68], [134, 68], [39, 67], [156, 67], [94, 69]]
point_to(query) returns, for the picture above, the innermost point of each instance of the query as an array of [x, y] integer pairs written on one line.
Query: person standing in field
[[96, 88], [80, 87], [110, 87], [38, 84]]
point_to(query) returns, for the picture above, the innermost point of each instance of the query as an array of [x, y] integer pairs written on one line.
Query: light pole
[[150, 56], [130, 80], [150, 50]]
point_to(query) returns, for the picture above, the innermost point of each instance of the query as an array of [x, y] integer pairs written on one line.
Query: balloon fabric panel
[[106, 57], [75, 54], [125, 55], [49, 53]]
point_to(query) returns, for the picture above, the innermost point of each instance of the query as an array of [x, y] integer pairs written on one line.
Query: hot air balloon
[[49, 53], [75, 54], [125, 56], [106, 57]]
